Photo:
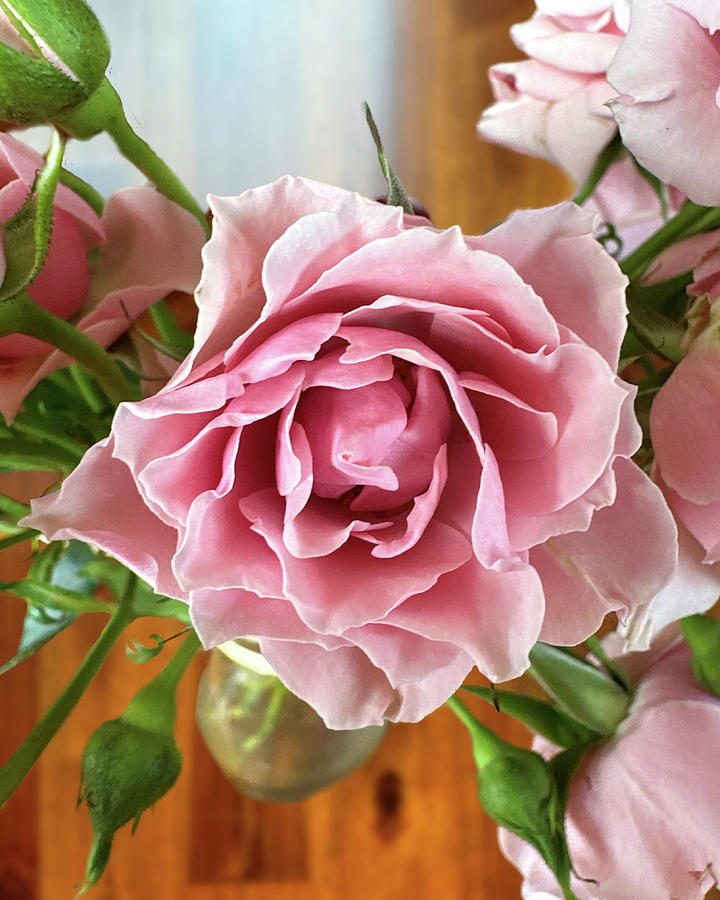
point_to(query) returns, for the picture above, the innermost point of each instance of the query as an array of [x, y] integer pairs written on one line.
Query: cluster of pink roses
[[397, 452], [590, 72]]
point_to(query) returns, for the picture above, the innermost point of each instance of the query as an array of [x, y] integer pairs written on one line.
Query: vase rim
[[242, 654]]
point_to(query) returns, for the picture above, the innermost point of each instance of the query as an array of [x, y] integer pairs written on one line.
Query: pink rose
[[683, 417], [643, 814], [667, 73], [150, 247], [63, 282], [394, 452], [554, 105]]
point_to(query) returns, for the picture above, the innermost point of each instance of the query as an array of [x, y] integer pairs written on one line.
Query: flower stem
[[104, 112], [183, 656], [87, 192], [690, 220], [21, 314], [22, 760]]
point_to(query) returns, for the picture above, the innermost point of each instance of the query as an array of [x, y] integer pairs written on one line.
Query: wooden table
[[407, 825]]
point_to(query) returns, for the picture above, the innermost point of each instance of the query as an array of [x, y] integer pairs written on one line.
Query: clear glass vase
[[270, 744]]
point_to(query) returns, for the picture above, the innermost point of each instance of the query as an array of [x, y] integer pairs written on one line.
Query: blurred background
[[232, 94]]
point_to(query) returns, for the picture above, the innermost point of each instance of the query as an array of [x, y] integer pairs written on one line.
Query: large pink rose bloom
[[668, 75], [394, 453], [643, 816], [150, 247]]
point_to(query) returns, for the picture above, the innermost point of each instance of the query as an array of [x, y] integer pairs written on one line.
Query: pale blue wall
[[235, 93]]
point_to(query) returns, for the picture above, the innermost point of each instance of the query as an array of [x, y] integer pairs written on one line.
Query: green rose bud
[[53, 56], [125, 770], [131, 762], [520, 791]]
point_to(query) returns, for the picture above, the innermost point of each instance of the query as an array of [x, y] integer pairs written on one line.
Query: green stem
[[175, 669], [93, 398], [21, 314], [104, 112], [13, 508], [52, 437], [26, 534], [87, 192], [486, 744], [595, 646], [154, 707], [22, 760], [690, 220]]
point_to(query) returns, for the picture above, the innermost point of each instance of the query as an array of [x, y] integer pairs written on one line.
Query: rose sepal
[[580, 690], [71, 56]]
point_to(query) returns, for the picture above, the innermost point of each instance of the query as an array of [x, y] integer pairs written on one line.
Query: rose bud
[[131, 762], [50, 62], [125, 769]]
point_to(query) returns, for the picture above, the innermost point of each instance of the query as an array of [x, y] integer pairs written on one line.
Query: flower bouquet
[[391, 456]]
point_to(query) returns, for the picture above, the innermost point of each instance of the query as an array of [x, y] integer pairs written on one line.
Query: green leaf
[[67, 34], [139, 653], [27, 234], [39, 627], [539, 716], [64, 568], [397, 195]]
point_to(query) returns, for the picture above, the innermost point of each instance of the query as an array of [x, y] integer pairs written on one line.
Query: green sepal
[[172, 335], [32, 91], [540, 717], [26, 235], [397, 195], [610, 154], [139, 653], [50, 596], [702, 633], [659, 188], [72, 40], [579, 689]]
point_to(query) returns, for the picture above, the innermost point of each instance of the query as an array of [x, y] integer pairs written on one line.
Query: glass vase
[[270, 744]]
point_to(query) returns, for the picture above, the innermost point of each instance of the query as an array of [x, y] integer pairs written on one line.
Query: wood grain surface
[[406, 825]]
